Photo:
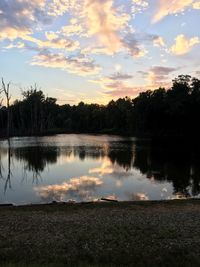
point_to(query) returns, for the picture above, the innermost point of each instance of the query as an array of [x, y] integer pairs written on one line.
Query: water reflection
[[123, 168], [82, 189], [37, 158], [122, 157], [138, 196], [177, 164], [7, 180]]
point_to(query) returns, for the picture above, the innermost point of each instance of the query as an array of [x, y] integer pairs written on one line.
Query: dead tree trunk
[[6, 90]]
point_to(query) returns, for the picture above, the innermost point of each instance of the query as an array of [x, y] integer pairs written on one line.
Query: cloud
[[12, 34], [59, 7], [98, 50], [74, 28], [135, 43], [75, 64], [120, 76], [18, 45], [109, 25], [134, 49], [121, 89], [54, 42], [142, 3], [183, 44], [162, 72], [158, 76], [139, 6], [103, 21], [51, 35], [165, 8], [117, 85], [159, 41], [19, 16], [196, 5], [91, 28], [113, 78], [80, 189]]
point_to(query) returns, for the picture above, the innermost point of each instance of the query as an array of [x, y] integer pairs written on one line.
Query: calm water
[[89, 167]]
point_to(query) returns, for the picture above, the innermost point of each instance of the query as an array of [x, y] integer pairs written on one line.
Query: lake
[[90, 167]]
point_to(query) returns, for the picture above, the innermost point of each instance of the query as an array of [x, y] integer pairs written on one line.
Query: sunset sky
[[97, 50]]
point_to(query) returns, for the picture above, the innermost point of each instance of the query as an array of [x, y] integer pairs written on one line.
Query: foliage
[[172, 112]]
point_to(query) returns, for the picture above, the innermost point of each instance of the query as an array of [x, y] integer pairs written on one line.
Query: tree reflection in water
[[176, 163], [9, 173], [36, 159], [170, 162]]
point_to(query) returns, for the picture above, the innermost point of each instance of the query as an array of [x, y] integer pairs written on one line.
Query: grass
[[102, 234]]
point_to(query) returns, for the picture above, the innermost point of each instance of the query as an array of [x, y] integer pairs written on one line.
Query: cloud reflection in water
[[79, 189]]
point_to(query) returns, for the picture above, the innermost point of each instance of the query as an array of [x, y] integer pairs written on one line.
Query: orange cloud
[[105, 168], [196, 5], [165, 8], [81, 188], [12, 34], [55, 42], [74, 28], [183, 44], [103, 21]]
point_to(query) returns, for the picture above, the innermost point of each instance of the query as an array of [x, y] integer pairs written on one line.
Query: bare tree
[[6, 90]]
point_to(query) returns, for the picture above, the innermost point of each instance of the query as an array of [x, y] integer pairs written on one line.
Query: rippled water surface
[[89, 167]]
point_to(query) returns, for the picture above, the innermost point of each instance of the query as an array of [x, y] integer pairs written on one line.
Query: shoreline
[[103, 201], [141, 233]]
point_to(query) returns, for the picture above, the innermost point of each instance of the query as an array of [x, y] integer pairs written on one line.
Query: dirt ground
[[101, 234]]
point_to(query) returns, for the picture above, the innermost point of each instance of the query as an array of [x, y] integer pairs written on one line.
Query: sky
[[97, 50]]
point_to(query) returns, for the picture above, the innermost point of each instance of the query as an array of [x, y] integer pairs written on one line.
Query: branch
[[6, 89]]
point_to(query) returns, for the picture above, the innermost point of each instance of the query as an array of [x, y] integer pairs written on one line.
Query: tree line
[[160, 112]]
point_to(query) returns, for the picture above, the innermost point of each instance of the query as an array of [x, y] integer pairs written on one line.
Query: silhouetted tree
[[172, 112]]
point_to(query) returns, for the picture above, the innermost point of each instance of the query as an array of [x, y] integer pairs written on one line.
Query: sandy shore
[[101, 234]]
